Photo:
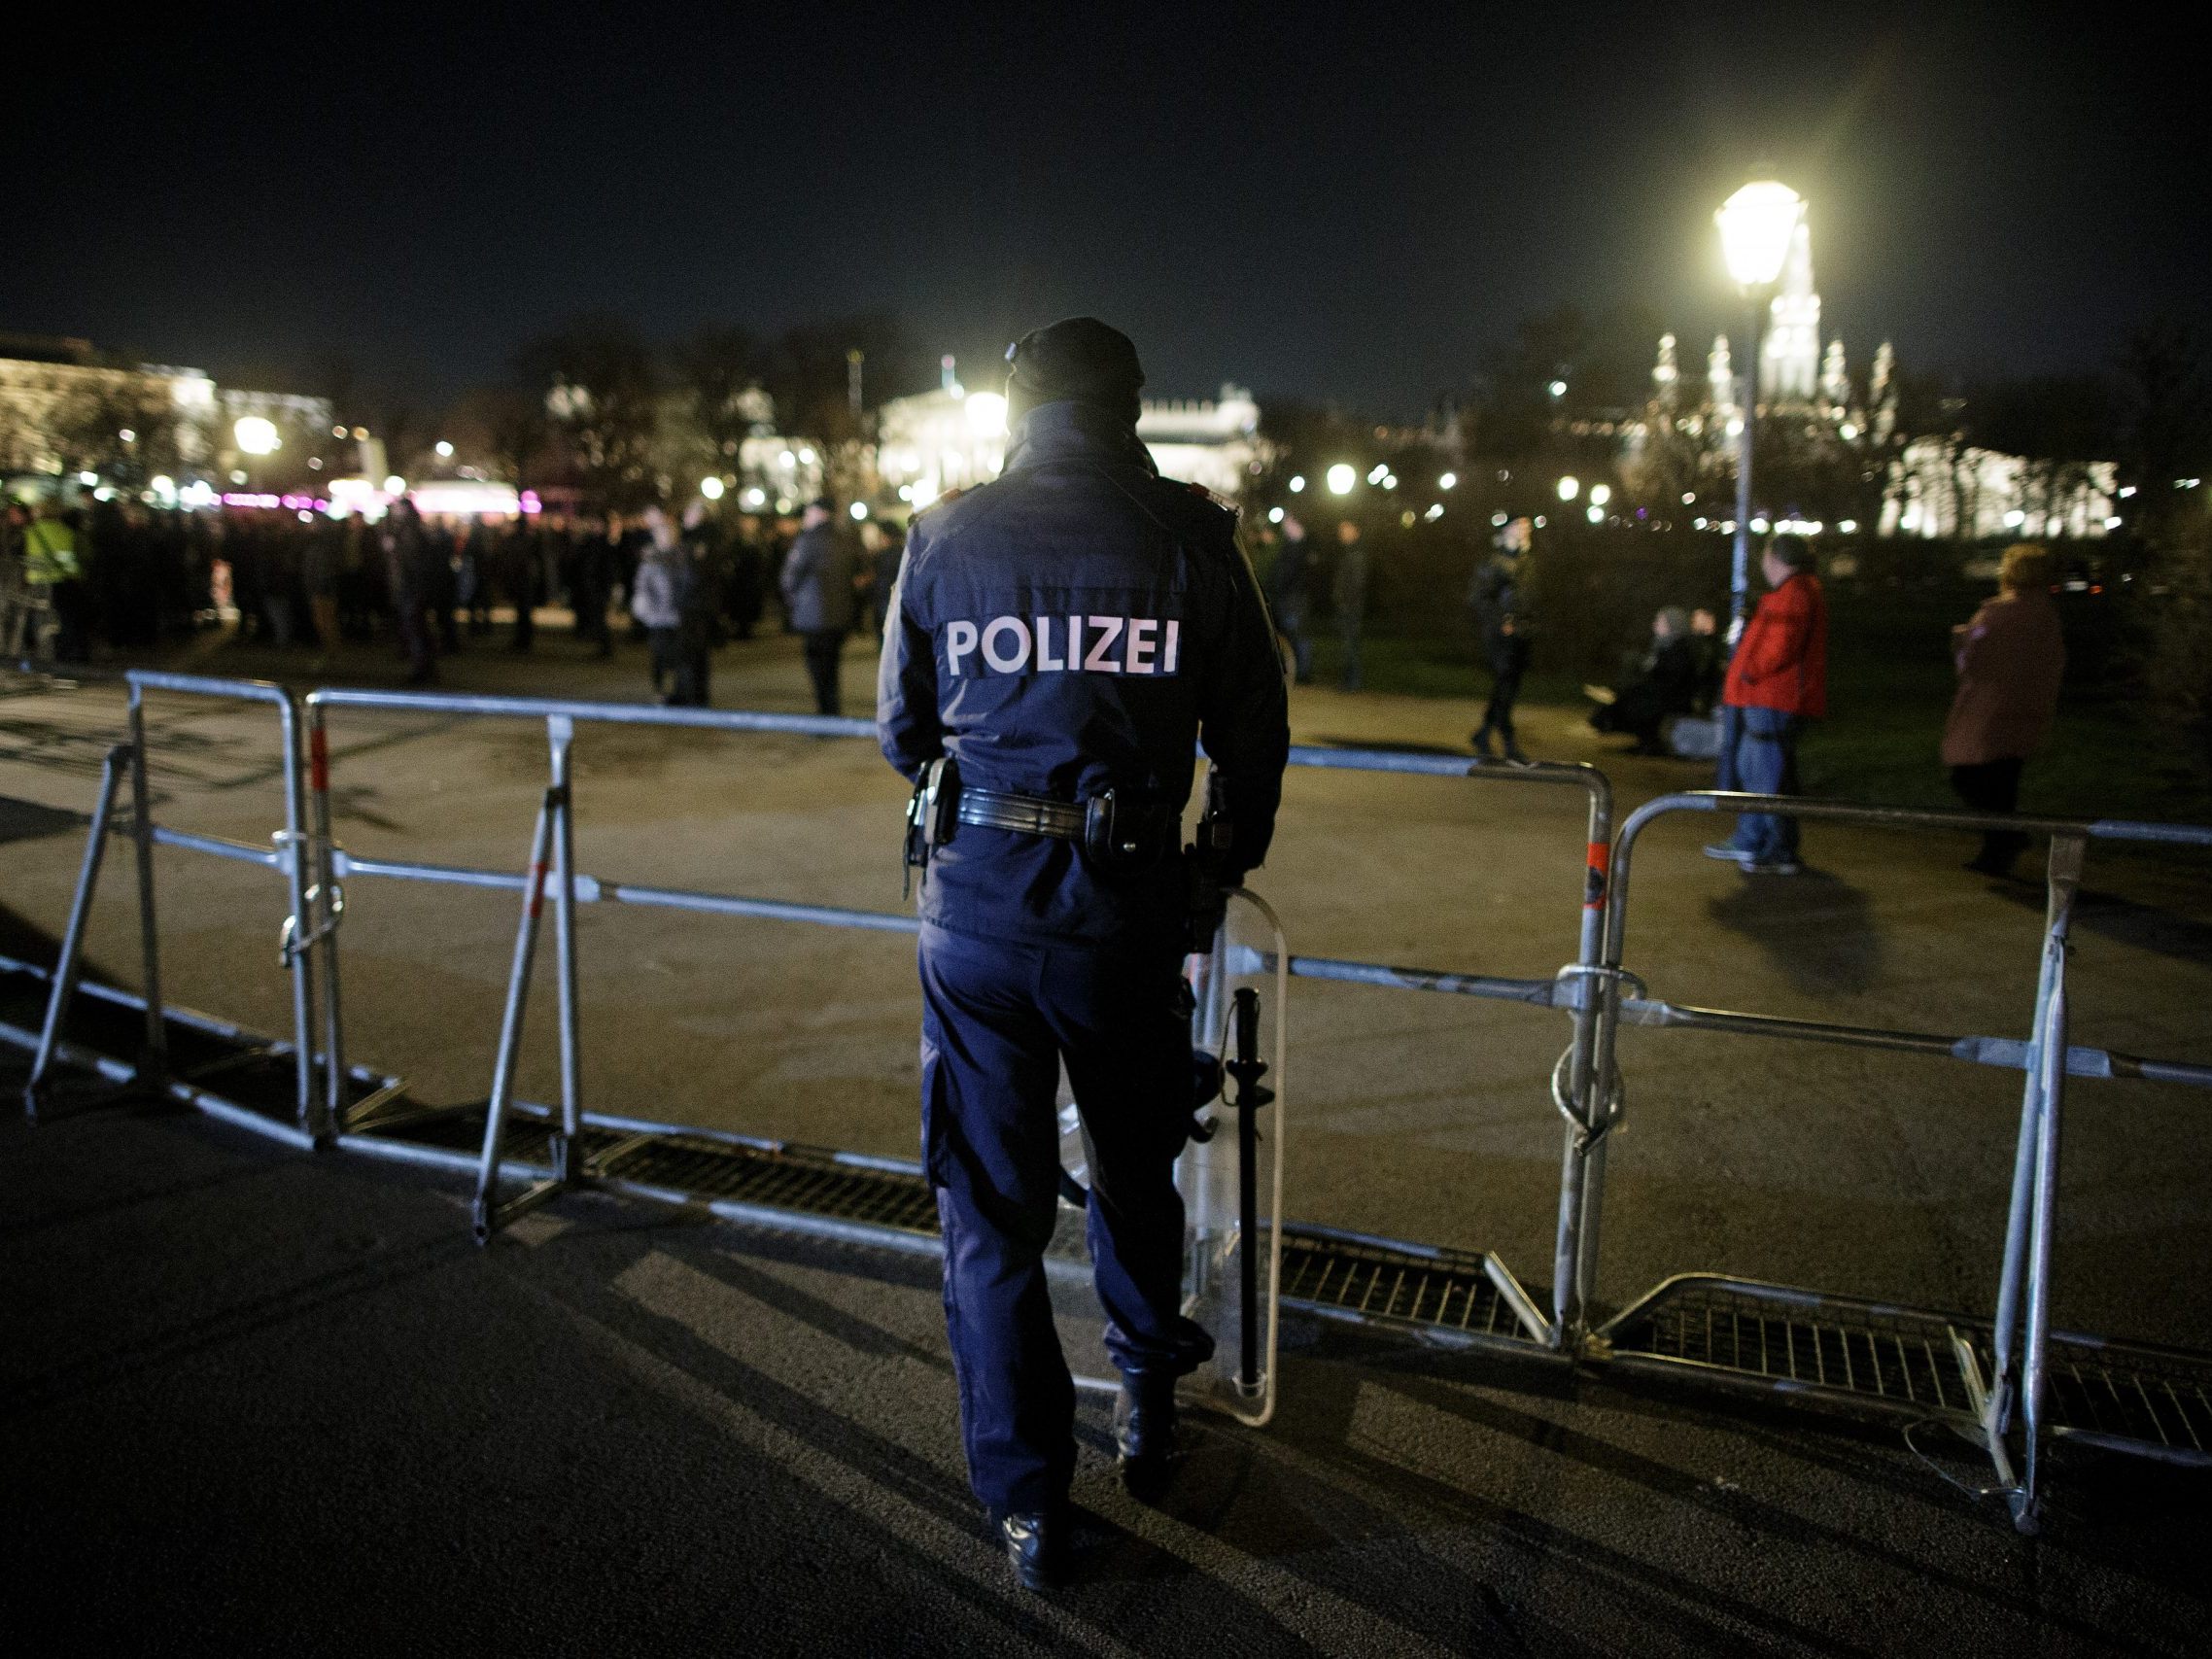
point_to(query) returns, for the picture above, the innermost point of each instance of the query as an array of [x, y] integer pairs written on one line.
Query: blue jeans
[[1766, 764], [998, 1019]]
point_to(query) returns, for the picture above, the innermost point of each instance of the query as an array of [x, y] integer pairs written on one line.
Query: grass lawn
[[1889, 686]]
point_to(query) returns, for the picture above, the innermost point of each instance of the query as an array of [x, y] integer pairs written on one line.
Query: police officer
[[1058, 641]]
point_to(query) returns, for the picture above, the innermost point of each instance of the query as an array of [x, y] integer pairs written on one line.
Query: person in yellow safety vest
[[50, 562]]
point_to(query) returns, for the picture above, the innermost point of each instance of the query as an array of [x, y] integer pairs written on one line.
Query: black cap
[[1079, 359]]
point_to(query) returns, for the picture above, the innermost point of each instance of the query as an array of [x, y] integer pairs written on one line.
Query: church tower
[[1835, 383], [1789, 366], [1666, 378], [1721, 384], [1881, 394]]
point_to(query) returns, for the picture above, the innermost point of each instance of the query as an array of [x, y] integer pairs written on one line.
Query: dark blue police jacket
[[1076, 626]]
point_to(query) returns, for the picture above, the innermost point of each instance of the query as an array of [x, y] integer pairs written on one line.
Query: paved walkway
[[256, 1402]]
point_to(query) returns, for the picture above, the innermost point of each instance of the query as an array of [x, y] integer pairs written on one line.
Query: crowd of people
[[128, 576]]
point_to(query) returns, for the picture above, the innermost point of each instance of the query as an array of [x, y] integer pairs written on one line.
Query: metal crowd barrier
[[2018, 1352], [1927, 1366], [288, 855]]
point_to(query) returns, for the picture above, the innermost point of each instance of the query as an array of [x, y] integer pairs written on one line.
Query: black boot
[[1144, 1435], [1480, 738], [1037, 1545]]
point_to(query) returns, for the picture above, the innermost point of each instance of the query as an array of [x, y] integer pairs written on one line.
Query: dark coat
[[1073, 627]]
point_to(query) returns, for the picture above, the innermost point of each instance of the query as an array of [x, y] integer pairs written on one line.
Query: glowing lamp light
[[1848, 526], [2112, 524], [1498, 521], [1447, 480], [1759, 527], [1847, 432], [805, 458], [858, 509], [256, 435], [1600, 493], [1341, 478], [1274, 516], [1298, 484], [1594, 514], [1379, 473], [987, 413], [711, 488], [1689, 497], [1569, 487], [1558, 388], [2015, 519], [394, 485], [88, 479], [128, 436], [1434, 512], [1756, 225], [755, 498], [444, 450]]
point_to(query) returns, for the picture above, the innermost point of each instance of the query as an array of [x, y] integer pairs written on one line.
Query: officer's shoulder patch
[[1225, 508]]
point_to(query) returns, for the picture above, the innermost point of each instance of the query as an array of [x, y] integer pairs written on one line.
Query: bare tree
[[595, 376]]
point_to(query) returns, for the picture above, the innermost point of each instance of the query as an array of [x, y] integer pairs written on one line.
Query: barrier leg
[[65, 971], [2050, 1076], [297, 951], [329, 906], [560, 732], [154, 1063], [2013, 1277], [490, 1213], [1587, 1104]]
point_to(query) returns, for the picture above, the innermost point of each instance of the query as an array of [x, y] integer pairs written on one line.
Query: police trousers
[[999, 1018]]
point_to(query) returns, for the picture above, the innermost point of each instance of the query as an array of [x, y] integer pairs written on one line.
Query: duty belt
[[1030, 815], [1112, 833]]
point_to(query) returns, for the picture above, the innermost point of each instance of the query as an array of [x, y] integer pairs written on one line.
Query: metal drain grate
[[1908, 1363], [1442, 1291], [2115, 1393], [1797, 1342], [812, 1183]]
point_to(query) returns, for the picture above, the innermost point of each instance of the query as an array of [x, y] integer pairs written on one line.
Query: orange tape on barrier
[[1599, 859]]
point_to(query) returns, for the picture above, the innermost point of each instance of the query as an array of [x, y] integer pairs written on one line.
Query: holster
[[930, 817], [1121, 836]]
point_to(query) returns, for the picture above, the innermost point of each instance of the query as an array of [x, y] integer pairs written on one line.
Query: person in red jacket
[[1777, 681]]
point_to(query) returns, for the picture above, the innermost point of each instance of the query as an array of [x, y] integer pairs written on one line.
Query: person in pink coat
[[2009, 658]]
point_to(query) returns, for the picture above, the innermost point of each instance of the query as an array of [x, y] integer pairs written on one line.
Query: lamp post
[[1756, 225]]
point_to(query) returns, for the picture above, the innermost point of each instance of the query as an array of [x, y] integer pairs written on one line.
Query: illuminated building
[[952, 438], [65, 406], [1935, 486]]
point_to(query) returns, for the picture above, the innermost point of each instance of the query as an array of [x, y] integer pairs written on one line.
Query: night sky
[[1339, 203]]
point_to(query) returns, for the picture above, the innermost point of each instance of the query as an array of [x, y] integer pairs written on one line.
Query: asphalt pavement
[[282, 1399]]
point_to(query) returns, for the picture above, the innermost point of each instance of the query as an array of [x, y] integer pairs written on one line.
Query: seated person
[[1664, 682]]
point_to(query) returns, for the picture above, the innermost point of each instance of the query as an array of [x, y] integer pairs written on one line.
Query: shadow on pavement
[[2145, 927], [1816, 930]]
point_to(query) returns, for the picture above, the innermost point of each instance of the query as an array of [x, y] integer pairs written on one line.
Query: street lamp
[[1341, 478], [1756, 225], [256, 435]]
